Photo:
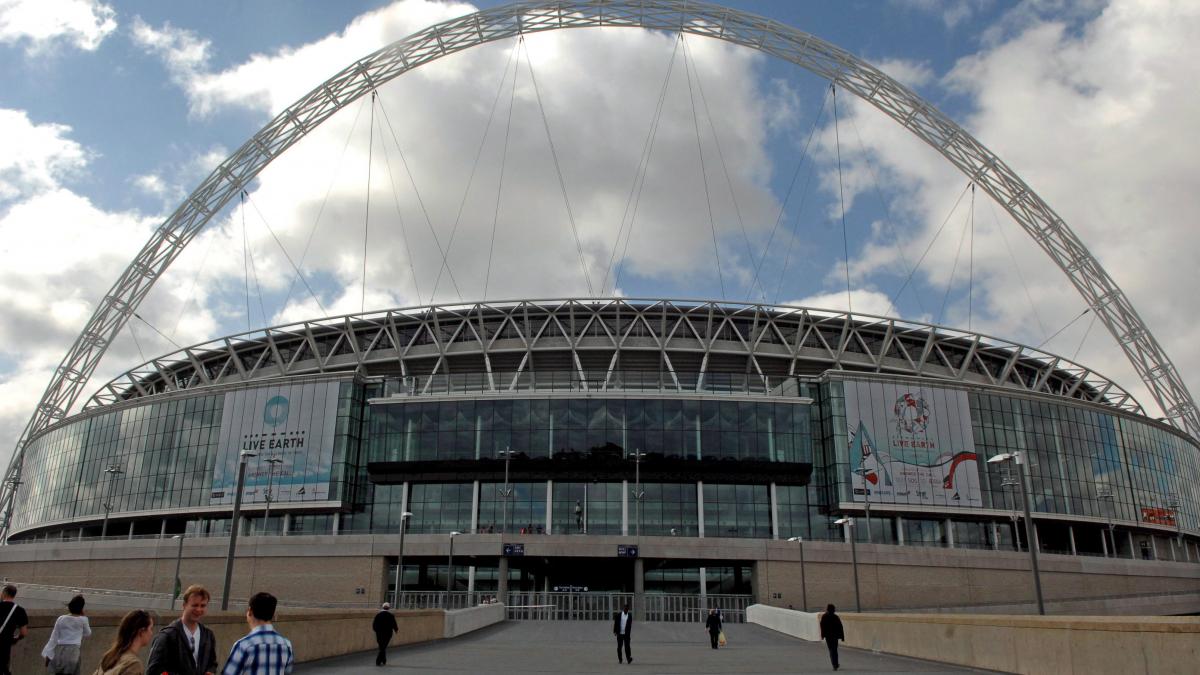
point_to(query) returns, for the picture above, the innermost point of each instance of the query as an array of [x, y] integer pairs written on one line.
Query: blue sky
[[112, 111]]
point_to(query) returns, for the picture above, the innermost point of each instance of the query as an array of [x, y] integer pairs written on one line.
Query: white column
[[1153, 545], [700, 507], [471, 579], [1104, 542], [900, 530], [704, 590], [995, 537], [625, 508], [131, 529], [1071, 534], [949, 525], [287, 523], [774, 511], [336, 522], [162, 531], [1133, 552], [474, 515], [549, 504]]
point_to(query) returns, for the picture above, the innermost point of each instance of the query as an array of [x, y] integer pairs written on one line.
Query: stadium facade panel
[[618, 417]]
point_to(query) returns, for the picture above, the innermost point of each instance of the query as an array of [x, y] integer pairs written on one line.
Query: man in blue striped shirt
[[262, 651]]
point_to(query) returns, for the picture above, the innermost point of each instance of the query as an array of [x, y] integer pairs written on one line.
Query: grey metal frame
[[807, 51]]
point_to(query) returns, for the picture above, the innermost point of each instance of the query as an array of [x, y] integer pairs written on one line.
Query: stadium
[[616, 447]]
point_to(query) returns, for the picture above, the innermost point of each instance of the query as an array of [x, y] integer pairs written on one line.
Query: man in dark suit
[[623, 628], [384, 626], [185, 646]]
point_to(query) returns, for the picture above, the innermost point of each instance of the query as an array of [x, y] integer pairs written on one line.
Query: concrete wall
[[315, 634], [298, 569], [803, 625], [1035, 645], [463, 621]]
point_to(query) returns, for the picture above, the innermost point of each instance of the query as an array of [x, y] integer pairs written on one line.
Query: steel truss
[[844, 69], [769, 343]]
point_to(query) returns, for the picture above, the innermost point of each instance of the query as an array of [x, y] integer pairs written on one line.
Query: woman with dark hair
[[135, 632], [62, 649]]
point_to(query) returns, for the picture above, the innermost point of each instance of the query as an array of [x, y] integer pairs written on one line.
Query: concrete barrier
[[1036, 645], [463, 621], [803, 625], [315, 633]]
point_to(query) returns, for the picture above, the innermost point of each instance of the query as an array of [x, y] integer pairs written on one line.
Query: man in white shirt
[[186, 646], [623, 628]]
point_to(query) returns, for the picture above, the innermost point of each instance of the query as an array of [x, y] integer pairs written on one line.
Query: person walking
[[262, 651], [185, 646], [61, 652], [831, 632], [385, 627], [135, 632], [713, 626], [623, 629], [14, 625]]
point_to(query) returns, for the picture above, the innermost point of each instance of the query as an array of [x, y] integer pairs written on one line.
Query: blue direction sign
[[627, 551], [514, 550]]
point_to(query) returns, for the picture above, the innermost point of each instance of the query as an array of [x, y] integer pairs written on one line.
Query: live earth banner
[[291, 423], [911, 445]]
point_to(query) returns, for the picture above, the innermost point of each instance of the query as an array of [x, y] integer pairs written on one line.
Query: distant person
[[61, 652], [262, 651], [831, 632], [185, 646], [135, 632], [713, 626], [385, 627], [623, 628], [13, 627]]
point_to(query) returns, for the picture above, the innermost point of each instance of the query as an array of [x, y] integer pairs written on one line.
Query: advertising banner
[[911, 444], [290, 429]]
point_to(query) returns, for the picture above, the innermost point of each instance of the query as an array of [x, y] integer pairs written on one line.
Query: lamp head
[[844, 521], [247, 454], [406, 515], [455, 533], [1002, 457], [795, 538]]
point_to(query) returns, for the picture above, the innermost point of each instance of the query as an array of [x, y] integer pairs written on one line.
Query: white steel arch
[[790, 44]]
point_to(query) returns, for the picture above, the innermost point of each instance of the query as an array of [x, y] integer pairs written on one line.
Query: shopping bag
[[721, 638]]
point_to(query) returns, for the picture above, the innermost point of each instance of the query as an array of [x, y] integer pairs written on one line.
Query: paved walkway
[[530, 647]]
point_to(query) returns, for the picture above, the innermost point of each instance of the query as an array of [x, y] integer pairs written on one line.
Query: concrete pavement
[[529, 647]]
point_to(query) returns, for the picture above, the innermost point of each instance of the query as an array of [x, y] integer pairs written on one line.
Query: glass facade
[[1084, 462]]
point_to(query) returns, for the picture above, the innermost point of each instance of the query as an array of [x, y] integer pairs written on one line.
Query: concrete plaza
[[588, 647]]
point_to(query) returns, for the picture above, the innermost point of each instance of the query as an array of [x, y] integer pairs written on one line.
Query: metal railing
[[600, 606], [655, 381]]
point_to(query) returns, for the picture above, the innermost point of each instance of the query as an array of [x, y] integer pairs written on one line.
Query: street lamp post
[[638, 493], [13, 484], [400, 559], [113, 471], [1107, 494], [271, 463], [1009, 483], [803, 589], [450, 566], [178, 560], [848, 523], [233, 526], [862, 473], [1030, 536], [1173, 502], [506, 493]]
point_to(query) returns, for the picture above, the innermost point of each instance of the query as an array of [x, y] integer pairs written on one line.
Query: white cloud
[[861, 300], [42, 23], [951, 12], [36, 156], [1095, 118]]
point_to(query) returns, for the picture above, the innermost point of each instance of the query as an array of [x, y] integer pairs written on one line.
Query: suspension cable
[[1087, 332], [137, 343], [1017, 268], [787, 258], [704, 175], [156, 330], [487, 277], [937, 234], [887, 210], [367, 211], [470, 180], [245, 262], [639, 178], [783, 204], [387, 162], [558, 169], [725, 169], [953, 270], [971, 265], [321, 211], [191, 297], [282, 249], [841, 196], [253, 267], [1060, 330]]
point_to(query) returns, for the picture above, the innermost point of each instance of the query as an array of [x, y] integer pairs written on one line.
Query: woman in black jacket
[[713, 626], [831, 632]]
